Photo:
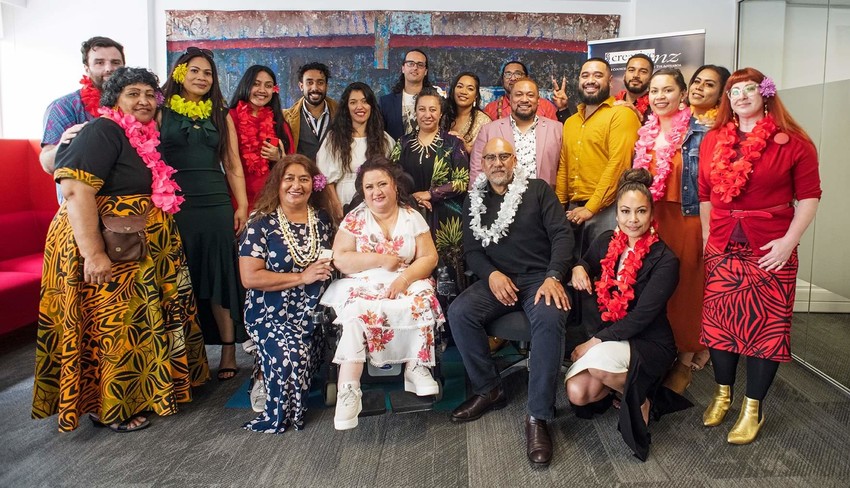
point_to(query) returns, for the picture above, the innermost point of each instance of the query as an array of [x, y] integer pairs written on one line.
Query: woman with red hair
[[759, 190]]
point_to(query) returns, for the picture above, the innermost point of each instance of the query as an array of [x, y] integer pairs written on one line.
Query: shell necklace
[[302, 256]]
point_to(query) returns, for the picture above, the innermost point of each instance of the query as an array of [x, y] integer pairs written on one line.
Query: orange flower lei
[[90, 95], [252, 131], [728, 178], [614, 304]]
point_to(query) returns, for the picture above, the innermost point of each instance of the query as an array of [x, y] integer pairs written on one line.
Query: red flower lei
[[252, 131], [641, 104], [614, 305], [728, 178], [90, 95]]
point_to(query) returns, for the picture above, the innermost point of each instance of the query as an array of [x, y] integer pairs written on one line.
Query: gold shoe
[[747, 427], [716, 411]]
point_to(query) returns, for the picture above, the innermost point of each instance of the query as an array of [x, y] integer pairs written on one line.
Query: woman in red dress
[[759, 190], [264, 137]]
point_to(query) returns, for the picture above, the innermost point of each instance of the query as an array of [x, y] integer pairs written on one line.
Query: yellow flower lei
[[188, 108], [708, 117], [179, 73]]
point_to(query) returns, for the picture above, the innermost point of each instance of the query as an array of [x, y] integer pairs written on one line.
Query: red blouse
[[785, 172]]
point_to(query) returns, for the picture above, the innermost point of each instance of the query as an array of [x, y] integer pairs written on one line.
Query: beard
[[524, 116], [599, 97], [637, 90], [309, 95]]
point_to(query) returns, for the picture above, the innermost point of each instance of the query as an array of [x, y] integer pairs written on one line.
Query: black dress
[[646, 327]]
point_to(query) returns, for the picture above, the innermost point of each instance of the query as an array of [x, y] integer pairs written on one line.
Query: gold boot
[[747, 427], [716, 411]]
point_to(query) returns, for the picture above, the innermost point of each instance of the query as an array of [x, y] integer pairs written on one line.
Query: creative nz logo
[[622, 57]]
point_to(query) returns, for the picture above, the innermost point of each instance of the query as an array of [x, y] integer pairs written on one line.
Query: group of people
[[673, 210]]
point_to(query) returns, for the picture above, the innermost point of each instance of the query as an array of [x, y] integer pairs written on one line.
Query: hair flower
[[179, 73], [160, 98], [276, 89], [767, 87], [319, 182]]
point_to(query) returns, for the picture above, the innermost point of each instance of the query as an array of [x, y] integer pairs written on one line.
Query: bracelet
[[405, 279]]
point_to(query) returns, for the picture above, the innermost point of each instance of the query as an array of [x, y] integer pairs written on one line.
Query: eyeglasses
[[419, 64], [746, 91], [491, 158], [509, 75], [197, 50]]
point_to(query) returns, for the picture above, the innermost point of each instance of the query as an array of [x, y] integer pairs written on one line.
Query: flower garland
[[646, 144], [641, 104], [614, 304], [729, 178], [90, 95], [507, 211], [707, 118], [179, 73], [302, 256], [252, 131], [145, 139], [188, 108]]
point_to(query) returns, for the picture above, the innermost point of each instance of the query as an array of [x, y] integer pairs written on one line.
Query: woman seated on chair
[[386, 304], [281, 267], [635, 274]]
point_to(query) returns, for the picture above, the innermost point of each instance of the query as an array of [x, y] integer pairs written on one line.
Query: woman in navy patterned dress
[[280, 266]]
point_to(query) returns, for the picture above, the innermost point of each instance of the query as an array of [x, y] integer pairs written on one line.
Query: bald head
[[498, 160]]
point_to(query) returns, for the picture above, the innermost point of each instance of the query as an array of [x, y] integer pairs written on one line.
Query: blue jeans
[[477, 307]]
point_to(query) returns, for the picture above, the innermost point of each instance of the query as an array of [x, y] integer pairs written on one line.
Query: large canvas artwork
[[369, 46]]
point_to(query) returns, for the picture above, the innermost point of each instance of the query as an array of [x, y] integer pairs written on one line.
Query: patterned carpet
[[805, 442]]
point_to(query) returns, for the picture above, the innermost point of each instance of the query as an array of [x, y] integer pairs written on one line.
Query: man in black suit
[[398, 106]]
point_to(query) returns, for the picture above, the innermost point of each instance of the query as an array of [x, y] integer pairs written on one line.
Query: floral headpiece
[[319, 182], [179, 73], [276, 89], [767, 87]]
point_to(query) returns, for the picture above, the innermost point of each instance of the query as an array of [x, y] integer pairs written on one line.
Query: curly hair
[[320, 67], [268, 199], [341, 130], [123, 77], [243, 94]]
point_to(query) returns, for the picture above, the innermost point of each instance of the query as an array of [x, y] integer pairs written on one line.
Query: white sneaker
[[348, 406], [418, 380], [258, 395]]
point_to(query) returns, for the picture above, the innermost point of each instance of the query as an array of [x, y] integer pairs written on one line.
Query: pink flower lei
[[145, 139], [645, 146]]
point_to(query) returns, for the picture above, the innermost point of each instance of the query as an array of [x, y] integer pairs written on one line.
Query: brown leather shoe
[[477, 405], [537, 441]]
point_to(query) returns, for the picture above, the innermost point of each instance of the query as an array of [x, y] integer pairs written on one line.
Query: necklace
[[614, 305], [507, 211], [646, 145], [90, 95], [425, 150], [729, 178], [252, 131], [145, 138], [188, 108], [302, 256], [707, 118]]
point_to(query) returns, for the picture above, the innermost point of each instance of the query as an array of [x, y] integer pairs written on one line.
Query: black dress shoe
[[537, 441], [477, 405]]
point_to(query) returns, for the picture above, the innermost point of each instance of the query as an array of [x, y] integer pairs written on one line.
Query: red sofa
[[27, 205]]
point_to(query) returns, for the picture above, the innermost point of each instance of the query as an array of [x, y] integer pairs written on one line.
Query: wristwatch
[[555, 275]]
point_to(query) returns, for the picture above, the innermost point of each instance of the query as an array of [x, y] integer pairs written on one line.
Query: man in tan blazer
[[311, 115]]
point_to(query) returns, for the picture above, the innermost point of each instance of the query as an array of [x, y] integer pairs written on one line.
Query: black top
[[538, 240], [101, 148], [308, 143]]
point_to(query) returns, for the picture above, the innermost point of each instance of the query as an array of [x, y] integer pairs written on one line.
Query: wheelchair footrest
[[374, 403], [406, 402]]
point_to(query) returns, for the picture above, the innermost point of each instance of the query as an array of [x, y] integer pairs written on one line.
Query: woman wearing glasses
[[198, 140], [757, 162]]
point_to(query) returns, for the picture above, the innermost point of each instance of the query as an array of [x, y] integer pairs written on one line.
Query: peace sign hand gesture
[[559, 93]]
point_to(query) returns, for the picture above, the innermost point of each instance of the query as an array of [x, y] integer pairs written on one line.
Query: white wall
[[40, 60]]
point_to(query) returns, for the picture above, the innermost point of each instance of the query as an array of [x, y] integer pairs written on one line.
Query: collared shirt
[[595, 152], [525, 145], [61, 114], [318, 125]]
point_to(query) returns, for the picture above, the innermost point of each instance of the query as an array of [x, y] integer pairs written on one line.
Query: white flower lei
[[507, 211]]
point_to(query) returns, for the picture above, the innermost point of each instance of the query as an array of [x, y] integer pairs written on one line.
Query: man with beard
[[598, 143], [638, 72], [521, 262], [65, 116], [397, 107], [313, 111], [537, 139]]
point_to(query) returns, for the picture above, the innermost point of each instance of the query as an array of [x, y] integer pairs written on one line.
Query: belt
[[765, 213]]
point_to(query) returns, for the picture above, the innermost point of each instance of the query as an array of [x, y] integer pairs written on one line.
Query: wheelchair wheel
[[330, 394], [439, 395]]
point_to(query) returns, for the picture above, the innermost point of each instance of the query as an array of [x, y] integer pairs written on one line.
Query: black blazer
[[391, 112]]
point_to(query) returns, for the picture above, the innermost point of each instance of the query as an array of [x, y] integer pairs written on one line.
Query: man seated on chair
[[517, 241]]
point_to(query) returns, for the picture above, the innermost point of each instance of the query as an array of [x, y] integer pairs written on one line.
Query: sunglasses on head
[[197, 50]]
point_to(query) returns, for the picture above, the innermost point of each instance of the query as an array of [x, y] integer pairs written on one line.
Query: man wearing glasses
[[517, 242], [537, 139], [501, 107], [397, 107]]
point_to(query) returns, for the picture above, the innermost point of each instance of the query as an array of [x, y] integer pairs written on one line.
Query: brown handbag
[[124, 237]]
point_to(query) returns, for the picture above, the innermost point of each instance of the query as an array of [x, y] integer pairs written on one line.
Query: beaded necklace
[[302, 256]]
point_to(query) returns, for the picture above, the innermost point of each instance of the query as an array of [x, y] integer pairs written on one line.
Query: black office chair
[[516, 328]]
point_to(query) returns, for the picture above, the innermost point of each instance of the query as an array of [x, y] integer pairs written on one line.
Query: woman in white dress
[[386, 303]]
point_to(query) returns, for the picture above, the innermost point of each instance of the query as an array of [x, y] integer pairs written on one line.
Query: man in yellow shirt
[[597, 147]]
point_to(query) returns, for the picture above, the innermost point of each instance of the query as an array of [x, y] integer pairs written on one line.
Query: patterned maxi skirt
[[748, 310], [120, 348]]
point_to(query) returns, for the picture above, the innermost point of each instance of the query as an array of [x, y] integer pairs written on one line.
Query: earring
[[735, 118], [765, 110], [682, 105]]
